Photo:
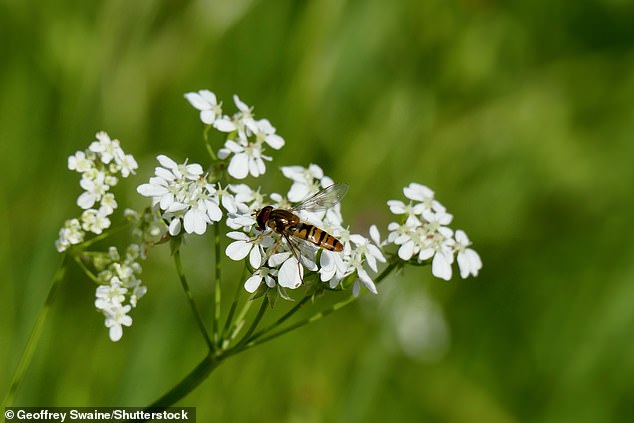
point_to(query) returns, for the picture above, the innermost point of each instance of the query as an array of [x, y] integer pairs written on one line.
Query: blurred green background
[[519, 115]]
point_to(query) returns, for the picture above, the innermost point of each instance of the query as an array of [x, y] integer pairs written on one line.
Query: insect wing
[[303, 250], [324, 199]]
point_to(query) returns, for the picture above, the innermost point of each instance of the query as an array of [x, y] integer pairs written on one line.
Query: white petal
[[376, 252], [255, 258], [194, 221], [441, 267], [229, 203], [275, 141], [253, 167], [208, 117], [316, 171], [278, 258], [406, 251], [213, 211], [175, 226], [115, 333], [239, 166], [461, 237], [208, 96], [240, 236], [375, 235], [149, 190], [233, 146], [290, 275], [224, 125], [86, 200], [238, 250], [197, 101], [240, 104], [296, 173], [425, 253], [261, 166], [166, 201], [298, 192], [371, 260], [358, 239], [166, 162], [194, 170], [253, 283], [417, 192], [367, 281], [396, 206]]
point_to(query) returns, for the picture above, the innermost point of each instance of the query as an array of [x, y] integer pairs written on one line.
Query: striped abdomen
[[319, 237]]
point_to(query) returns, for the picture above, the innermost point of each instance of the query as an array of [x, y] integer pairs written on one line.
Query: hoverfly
[[286, 223]]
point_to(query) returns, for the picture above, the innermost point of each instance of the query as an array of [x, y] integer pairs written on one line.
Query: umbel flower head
[[99, 166], [119, 288], [183, 194], [247, 137], [424, 234]]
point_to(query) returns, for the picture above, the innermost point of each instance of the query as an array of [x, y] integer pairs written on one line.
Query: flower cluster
[[284, 264], [247, 136], [119, 288], [423, 234], [99, 166], [185, 197]]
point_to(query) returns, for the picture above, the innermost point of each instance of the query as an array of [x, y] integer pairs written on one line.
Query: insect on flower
[[286, 223]]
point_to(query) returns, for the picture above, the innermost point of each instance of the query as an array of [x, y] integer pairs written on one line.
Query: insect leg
[[272, 250], [296, 254]]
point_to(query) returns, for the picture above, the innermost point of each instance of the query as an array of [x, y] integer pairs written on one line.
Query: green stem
[[234, 304], [258, 339], [190, 382], [209, 363], [36, 333], [208, 145], [87, 271], [113, 230], [239, 323], [190, 298], [256, 322], [217, 287], [282, 319]]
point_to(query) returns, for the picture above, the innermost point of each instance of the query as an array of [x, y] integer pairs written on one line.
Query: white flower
[[127, 165], [291, 272], [108, 204], [468, 260], [306, 181], [262, 274], [424, 196], [120, 289], [95, 188], [106, 148], [116, 318], [94, 221], [243, 246], [80, 162], [183, 194], [266, 133], [205, 101], [70, 234], [246, 159], [109, 296], [243, 120], [99, 165]]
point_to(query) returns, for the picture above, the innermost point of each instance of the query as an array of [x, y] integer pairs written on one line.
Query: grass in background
[[518, 115]]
